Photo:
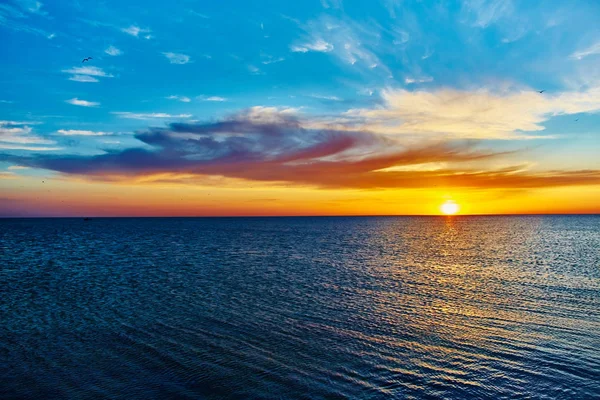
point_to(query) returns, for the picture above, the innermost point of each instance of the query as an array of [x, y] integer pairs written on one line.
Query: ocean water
[[311, 308]]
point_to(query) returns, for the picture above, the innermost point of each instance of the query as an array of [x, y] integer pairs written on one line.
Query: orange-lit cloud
[[273, 145]]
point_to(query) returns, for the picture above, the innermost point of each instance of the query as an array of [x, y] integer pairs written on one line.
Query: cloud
[[183, 99], [17, 135], [261, 143], [480, 114], [212, 98], [86, 74], [354, 44], [34, 7], [17, 16], [113, 51], [16, 167], [130, 115], [83, 78], [134, 30], [318, 45], [29, 148], [324, 97], [410, 80], [177, 58], [83, 103], [274, 145], [594, 49], [255, 70], [197, 14], [74, 132], [272, 60], [90, 71], [487, 12], [331, 3]]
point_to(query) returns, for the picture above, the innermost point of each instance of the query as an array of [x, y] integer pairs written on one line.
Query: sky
[[315, 107]]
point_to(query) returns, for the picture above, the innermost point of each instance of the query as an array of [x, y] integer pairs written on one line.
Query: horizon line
[[309, 216]]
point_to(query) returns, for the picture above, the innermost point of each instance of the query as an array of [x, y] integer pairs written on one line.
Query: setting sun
[[449, 207]]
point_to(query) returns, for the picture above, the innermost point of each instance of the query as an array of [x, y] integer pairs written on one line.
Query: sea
[[463, 307]]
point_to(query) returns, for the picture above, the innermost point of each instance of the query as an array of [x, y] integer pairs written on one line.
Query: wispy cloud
[[113, 51], [17, 135], [503, 15], [177, 58], [86, 74], [254, 70], [75, 132], [82, 103], [34, 7], [135, 30], [354, 44], [331, 3], [212, 98], [594, 49], [16, 16], [83, 78], [411, 80], [325, 97], [131, 115], [486, 12], [29, 148], [197, 14], [318, 45], [272, 60], [91, 71], [183, 99]]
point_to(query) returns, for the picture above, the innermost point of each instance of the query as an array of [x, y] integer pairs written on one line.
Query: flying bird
[[541, 91], [577, 120], [86, 59]]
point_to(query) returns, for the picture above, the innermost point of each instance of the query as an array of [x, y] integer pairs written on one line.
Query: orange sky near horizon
[[70, 197]]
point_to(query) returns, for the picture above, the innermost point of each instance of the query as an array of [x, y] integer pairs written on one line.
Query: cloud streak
[[354, 44], [135, 31], [86, 74], [75, 132], [113, 51], [17, 135], [594, 49], [212, 98], [183, 99], [318, 45], [142, 116], [177, 58], [83, 78], [82, 103], [273, 145]]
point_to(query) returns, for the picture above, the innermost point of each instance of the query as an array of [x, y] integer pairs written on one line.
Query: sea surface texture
[[290, 308]]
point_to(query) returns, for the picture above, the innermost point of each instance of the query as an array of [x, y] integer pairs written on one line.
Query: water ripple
[[319, 308]]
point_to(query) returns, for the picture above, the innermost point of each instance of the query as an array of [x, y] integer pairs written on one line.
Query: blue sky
[[416, 72]]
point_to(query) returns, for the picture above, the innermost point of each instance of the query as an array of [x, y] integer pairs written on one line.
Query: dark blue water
[[408, 307]]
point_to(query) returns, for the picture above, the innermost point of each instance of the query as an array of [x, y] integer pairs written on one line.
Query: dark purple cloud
[[277, 147]]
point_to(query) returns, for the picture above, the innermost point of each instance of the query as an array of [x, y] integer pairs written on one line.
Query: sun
[[449, 207]]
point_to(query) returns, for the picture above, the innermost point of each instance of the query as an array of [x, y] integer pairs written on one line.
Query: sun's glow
[[449, 207]]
